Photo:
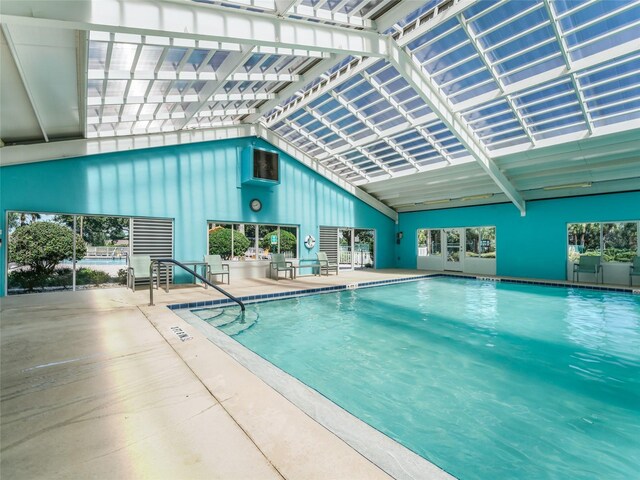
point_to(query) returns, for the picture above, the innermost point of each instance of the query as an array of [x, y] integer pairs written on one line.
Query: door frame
[[453, 266], [352, 246]]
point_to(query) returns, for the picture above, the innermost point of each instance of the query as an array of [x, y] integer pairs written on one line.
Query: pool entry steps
[[160, 261]]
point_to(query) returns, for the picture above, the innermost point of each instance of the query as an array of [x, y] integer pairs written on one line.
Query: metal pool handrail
[[159, 261]]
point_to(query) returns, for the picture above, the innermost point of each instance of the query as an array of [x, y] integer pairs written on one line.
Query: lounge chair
[[588, 264], [215, 267], [279, 264], [634, 270], [139, 268], [325, 266]]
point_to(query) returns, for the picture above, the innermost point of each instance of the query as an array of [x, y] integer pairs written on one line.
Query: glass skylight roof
[[515, 74]]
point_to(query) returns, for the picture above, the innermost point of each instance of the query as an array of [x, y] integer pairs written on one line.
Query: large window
[[480, 242], [429, 242], [614, 241], [46, 254], [249, 242]]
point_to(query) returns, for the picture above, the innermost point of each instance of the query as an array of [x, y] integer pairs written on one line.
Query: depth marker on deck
[[181, 334]]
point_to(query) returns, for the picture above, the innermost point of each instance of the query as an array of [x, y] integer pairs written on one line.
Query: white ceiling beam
[[349, 141], [39, 152], [422, 83], [564, 49], [396, 13], [484, 58], [389, 141], [240, 97], [444, 174], [426, 189], [324, 87], [194, 21], [314, 13], [138, 117], [283, 6], [578, 66], [264, 77], [423, 133], [318, 143], [431, 22], [134, 66], [374, 11], [226, 112], [212, 46], [16, 59], [149, 75], [315, 71], [340, 5], [208, 93], [278, 142], [391, 132], [83, 65], [571, 137]]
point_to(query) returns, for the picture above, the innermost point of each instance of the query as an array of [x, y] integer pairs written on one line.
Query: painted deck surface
[[97, 384]]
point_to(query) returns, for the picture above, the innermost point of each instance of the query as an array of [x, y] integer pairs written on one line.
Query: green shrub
[[26, 279], [87, 276], [61, 277], [288, 241], [220, 242], [43, 245], [122, 276]]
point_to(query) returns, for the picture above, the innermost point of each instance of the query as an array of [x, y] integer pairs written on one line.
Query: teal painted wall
[[190, 183], [533, 246]]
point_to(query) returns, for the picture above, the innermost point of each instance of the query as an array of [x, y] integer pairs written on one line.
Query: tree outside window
[[480, 242], [429, 242], [247, 241], [614, 241]]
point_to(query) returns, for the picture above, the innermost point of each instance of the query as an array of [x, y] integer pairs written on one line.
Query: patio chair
[[139, 268], [588, 264], [279, 264], [634, 270], [215, 267], [325, 266]]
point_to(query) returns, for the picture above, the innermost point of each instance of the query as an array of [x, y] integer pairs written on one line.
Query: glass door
[[345, 248], [453, 241], [363, 243]]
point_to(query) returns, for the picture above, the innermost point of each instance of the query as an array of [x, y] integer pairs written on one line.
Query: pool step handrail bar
[[159, 261]]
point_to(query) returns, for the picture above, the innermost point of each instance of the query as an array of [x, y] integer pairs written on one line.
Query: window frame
[[258, 225], [480, 238], [601, 246], [463, 241], [428, 236]]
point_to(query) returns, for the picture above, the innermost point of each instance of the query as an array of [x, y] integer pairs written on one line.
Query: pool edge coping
[[393, 458], [381, 450], [223, 302]]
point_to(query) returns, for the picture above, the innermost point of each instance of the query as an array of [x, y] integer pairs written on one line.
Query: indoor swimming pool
[[488, 380]]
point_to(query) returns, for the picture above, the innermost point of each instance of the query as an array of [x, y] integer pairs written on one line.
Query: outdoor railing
[[106, 251]]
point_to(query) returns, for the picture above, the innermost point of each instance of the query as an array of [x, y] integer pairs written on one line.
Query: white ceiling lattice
[[372, 90]]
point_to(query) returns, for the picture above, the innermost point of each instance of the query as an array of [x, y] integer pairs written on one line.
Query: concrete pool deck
[[96, 384]]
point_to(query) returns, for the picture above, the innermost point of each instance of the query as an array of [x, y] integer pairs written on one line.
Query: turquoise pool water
[[486, 380]]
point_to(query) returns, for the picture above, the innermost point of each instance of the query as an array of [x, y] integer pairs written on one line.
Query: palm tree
[[21, 219]]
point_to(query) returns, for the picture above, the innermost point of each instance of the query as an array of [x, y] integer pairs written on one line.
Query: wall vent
[[153, 237], [329, 243]]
